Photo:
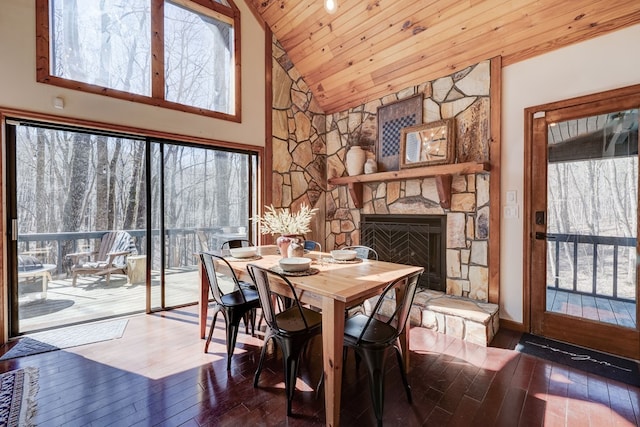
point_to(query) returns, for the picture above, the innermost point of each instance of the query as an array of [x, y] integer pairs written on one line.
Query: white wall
[[607, 62], [19, 89]]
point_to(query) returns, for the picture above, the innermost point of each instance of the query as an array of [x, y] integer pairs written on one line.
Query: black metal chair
[[312, 245], [372, 336], [237, 243], [364, 252], [239, 303], [291, 328]]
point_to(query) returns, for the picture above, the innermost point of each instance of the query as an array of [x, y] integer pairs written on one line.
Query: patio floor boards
[[594, 308]]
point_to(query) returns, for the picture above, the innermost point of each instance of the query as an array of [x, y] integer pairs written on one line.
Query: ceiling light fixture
[[331, 6]]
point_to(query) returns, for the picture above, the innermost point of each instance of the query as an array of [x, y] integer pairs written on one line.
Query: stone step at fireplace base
[[471, 320]]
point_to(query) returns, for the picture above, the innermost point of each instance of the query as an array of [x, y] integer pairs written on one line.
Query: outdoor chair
[[237, 303], [372, 336], [364, 252], [110, 258], [291, 329]]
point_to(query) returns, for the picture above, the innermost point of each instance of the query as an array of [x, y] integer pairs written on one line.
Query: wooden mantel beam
[[442, 173]]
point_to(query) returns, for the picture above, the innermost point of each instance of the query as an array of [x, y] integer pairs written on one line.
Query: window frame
[[209, 7]]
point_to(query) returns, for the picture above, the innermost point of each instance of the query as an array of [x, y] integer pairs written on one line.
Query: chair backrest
[[237, 243], [262, 277], [312, 245], [398, 318], [204, 241], [364, 252], [115, 241], [209, 263]]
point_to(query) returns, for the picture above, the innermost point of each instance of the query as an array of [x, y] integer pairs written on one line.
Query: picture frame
[[392, 118], [428, 144]]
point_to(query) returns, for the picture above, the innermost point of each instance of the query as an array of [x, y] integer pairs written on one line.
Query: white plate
[[295, 264], [343, 255], [247, 252]]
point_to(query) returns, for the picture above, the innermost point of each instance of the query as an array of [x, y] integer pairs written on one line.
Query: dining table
[[333, 286]]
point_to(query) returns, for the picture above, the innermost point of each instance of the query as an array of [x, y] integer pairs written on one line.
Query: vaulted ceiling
[[371, 48]]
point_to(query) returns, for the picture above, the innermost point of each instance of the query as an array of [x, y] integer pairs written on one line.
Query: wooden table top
[[340, 281]]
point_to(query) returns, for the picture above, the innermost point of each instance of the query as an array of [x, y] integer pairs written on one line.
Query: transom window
[[180, 54]]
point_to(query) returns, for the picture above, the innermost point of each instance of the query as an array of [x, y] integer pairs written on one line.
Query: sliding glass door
[[74, 198], [206, 198], [81, 205]]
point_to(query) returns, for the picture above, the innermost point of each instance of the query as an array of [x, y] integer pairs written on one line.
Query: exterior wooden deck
[[594, 308], [93, 299]]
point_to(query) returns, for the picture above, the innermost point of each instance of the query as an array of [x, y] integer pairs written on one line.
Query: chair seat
[[235, 298], [99, 265], [290, 322], [378, 334], [246, 285]]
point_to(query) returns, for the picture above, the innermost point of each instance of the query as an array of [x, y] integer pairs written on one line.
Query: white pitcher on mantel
[[356, 157]]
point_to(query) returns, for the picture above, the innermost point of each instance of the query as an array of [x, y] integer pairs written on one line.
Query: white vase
[[356, 157]]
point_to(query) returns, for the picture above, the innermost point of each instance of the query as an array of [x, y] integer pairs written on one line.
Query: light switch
[[511, 211], [511, 197]]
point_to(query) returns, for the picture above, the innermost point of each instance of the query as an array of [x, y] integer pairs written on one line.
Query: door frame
[[625, 341]]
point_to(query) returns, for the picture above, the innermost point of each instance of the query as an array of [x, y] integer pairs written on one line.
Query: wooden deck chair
[[111, 257]]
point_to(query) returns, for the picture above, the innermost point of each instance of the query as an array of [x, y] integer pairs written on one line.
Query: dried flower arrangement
[[283, 221]]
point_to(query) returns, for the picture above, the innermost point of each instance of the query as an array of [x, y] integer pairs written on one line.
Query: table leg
[[332, 343], [203, 301]]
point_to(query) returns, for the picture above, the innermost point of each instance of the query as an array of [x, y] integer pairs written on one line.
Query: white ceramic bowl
[[295, 264], [343, 255], [247, 252]]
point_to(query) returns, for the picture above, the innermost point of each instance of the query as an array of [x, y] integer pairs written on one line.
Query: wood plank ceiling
[[369, 49]]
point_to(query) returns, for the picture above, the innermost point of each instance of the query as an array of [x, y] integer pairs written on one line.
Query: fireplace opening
[[409, 239]]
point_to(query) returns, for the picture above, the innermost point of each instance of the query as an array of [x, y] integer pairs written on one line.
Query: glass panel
[[76, 193], [206, 202], [106, 43], [592, 195], [199, 60]]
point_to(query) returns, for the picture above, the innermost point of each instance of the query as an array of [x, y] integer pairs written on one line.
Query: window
[[180, 54]]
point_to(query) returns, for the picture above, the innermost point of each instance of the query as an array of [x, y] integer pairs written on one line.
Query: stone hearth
[[464, 318]]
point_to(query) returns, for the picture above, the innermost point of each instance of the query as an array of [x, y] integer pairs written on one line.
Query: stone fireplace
[[309, 149], [409, 239]]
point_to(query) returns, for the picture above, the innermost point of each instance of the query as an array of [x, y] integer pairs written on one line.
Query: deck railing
[[592, 243], [180, 245]]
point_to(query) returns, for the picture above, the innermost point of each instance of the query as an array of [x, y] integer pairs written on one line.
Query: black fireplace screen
[[409, 239]]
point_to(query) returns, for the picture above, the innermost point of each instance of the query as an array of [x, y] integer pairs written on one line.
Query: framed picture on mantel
[[428, 144], [392, 118]]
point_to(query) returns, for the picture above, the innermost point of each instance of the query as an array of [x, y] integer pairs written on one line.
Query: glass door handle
[[541, 236]]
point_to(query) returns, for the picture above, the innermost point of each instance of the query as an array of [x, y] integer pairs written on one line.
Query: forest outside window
[[180, 54]]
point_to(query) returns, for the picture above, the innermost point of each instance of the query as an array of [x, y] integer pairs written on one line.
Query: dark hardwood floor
[[157, 374]]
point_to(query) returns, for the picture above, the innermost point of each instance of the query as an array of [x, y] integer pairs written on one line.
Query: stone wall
[[299, 153], [309, 147], [463, 95]]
